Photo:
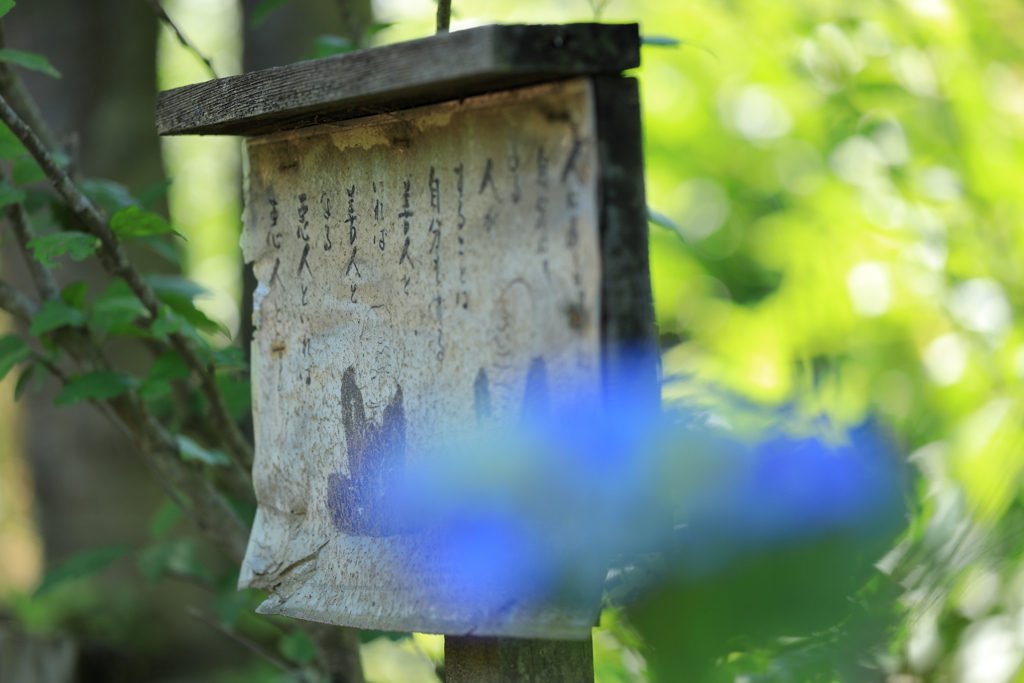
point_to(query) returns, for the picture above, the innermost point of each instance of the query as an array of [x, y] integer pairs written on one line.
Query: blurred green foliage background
[[837, 234], [844, 176]]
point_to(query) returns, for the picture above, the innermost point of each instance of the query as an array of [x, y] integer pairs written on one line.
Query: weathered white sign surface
[[419, 273]]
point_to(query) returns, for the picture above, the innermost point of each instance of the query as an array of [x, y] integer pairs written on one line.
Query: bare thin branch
[[337, 650], [119, 423], [161, 14], [115, 260], [53, 369], [252, 645], [206, 507], [21, 224], [444, 15], [356, 16], [598, 6], [17, 303]]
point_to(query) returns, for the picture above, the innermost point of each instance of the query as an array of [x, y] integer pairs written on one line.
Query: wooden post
[[442, 230], [514, 660]]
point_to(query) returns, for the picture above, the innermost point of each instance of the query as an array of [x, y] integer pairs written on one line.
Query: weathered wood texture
[[421, 274], [512, 660], [442, 67]]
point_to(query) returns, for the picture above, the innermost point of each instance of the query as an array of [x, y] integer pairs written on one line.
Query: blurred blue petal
[[786, 491], [549, 505]]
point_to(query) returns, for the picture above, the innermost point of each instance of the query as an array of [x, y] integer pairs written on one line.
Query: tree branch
[[252, 645], [356, 17], [53, 369], [21, 224], [598, 6], [444, 15], [74, 339], [209, 511], [162, 15], [115, 260], [212, 514], [120, 424], [337, 650], [17, 303]]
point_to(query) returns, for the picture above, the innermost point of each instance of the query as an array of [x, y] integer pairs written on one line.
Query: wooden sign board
[[423, 271]]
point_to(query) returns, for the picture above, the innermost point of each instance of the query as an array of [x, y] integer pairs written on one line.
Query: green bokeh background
[[845, 176]]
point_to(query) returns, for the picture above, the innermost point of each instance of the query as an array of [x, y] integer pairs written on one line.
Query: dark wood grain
[[435, 69]]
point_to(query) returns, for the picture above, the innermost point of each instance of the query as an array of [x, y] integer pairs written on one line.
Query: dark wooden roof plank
[[434, 69]]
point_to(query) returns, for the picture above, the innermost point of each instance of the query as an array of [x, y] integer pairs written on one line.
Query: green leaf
[[77, 245], [166, 322], [192, 451], [10, 195], [35, 371], [297, 647], [325, 46], [63, 216], [26, 170], [82, 565], [232, 604], [230, 357], [149, 196], [54, 314], [378, 26], [10, 145], [180, 556], [134, 221], [202, 343], [74, 295], [108, 195], [186, 309], [237, 393], [28, 60], [165, 368], [175, 285], [13, 350], [166, 516], [35, 199], [5, 7], [151, 389], [168, 366], [116, 308], [245, 510], [99, 385], [162, 248], [263, 10]]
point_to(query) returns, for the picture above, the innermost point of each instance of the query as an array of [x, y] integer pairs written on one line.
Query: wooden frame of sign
[[444, 232]]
